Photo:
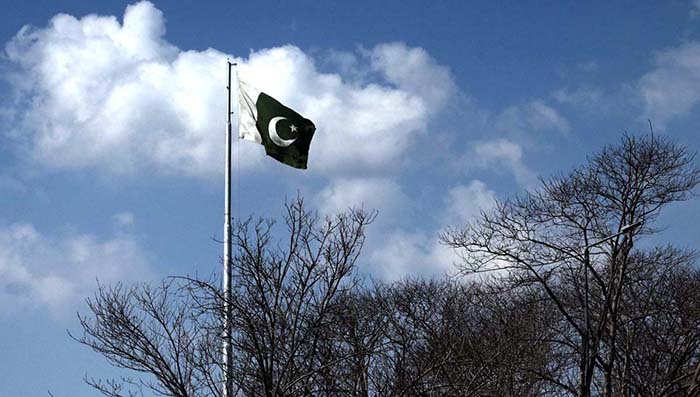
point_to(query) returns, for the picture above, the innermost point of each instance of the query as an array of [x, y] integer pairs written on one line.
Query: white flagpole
[[228, 348]]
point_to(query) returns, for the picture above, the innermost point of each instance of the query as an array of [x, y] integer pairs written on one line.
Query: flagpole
[[227, 347]]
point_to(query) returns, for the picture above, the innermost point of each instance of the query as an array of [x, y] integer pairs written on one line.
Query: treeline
[[560, 292]]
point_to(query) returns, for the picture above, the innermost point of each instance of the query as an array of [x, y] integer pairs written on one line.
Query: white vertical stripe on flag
[[248, 112]]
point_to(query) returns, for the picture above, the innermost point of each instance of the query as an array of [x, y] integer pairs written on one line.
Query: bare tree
[[446, 338], [659, 328], [563, 314], [542, 238], [360, 333], [154, 330], [286, 301]]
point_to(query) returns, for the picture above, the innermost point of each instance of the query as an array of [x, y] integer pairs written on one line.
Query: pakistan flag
[[285, 134]]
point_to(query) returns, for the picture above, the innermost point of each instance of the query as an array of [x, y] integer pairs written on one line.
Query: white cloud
[[56, 272], [501, 154], [506, 134], [414, 70], [403, 253], [672, 89], [118, 97], [382, 194], [519, 125], [466, 202], [534, 116]]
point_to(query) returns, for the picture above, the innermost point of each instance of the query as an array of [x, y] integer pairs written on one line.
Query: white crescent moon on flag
[[272, 130]]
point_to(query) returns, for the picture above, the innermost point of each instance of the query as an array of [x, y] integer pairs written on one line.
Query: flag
[[285, 134]]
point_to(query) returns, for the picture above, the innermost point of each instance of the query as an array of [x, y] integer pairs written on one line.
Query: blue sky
[[112, 119]]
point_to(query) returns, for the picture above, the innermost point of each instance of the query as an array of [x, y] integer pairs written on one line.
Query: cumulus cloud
[[532, 117], [465, 202], [415, 71], [52, 272], [519, 126], [382, 194], [672, 89], [405, 253], [500, 154], [119, 97]]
